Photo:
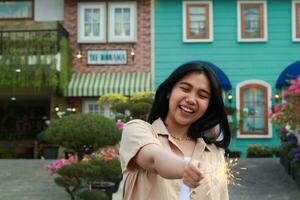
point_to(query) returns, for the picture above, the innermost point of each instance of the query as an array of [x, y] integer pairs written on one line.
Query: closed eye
[[185, 89]]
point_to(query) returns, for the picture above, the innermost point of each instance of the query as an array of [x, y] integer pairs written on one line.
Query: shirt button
[[194, 192]]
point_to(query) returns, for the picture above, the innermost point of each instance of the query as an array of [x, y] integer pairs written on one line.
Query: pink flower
[[285, 94], [297, 91], [120, 125], [292, 88], [270, 114], [55, 165], [276, 108]]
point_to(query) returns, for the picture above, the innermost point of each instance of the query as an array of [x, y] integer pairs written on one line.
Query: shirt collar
[[160, 128]]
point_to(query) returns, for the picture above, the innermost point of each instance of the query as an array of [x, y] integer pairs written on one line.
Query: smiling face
[[188, 100]]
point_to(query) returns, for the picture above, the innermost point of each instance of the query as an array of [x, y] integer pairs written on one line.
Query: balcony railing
[[32, 41]]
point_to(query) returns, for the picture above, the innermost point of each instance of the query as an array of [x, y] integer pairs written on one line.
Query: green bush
[[256, 151], [140, 110], [92, 195], [82, 133]]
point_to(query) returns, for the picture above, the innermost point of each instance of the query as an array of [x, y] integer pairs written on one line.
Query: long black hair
[[215, 114]]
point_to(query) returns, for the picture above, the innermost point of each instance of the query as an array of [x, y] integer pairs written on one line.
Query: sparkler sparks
[[218, 174]]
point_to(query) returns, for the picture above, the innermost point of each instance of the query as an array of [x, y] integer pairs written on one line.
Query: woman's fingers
[[192, 174]]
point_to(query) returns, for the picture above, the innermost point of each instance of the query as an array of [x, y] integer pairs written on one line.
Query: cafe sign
[[107, 57]]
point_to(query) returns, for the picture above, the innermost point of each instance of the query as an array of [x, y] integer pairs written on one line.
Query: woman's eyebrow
[[190, 85]]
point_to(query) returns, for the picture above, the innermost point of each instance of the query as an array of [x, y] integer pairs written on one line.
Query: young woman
[[176, 155]]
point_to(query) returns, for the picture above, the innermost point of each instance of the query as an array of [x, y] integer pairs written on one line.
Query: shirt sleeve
[[136, 134]]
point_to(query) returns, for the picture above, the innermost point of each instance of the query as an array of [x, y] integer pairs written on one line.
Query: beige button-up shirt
[[140, 184]]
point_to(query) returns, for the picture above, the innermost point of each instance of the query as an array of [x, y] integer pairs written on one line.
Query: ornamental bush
[[288, 113], [82, 133]]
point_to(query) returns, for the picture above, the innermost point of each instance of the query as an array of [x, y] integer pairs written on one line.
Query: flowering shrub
[[57, 164], [288, 113], [106, 154]]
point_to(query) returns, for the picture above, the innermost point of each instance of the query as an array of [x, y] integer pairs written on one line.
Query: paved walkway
[[264, 179]]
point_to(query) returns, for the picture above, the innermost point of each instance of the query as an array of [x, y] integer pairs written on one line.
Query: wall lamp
[[277, 97], [229, 97], [56, 108], [132, 53]]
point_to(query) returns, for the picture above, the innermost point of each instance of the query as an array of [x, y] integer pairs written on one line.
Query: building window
[[197, 21], [252, 21], [91, 22], [93, 107], [296, 20], [254, 105], [16, 10], [122, 18]]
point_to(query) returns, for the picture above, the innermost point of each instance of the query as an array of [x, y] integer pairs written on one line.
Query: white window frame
[[294, 21], [210, 18], [107, 112], [269, 95], [239, 22], [80, 25], [132, 5]]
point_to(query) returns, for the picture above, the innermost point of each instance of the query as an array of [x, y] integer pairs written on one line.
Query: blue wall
[[240, 61]]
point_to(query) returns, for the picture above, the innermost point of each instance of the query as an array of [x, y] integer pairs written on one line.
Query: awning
[[289, 73], [223, 79], [97, 84]]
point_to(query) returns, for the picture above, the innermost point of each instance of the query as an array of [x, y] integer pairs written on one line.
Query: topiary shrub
[[82, 133]]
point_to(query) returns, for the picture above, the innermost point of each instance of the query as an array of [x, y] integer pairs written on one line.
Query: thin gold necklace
[[181, 138]]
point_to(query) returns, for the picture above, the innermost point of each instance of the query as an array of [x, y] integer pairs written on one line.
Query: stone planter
[[50, 152], [105, 186]]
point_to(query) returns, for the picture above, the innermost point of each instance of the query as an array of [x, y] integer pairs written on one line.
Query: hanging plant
[[33, 54]]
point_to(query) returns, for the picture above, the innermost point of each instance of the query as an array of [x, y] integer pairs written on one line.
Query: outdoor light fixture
[[56, 108], [18, 70], [132, 53], [276, 97], [73, 109], [229, 97], [13, 98], [79, 54]]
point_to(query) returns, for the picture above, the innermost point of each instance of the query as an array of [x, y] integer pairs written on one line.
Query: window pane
[[252, 22], [259, 109], [126, 15], [197, 21], [259, 125], [15, 9], [87, 15], [96, 29], [118, 29], [96, 16], [248, 125], [127, 29], [88, 30], [118, 15]]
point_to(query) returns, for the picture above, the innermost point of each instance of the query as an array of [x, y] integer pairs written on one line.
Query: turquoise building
[[252, 42]]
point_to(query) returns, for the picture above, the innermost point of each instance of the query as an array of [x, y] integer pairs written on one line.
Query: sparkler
[[217, 174]]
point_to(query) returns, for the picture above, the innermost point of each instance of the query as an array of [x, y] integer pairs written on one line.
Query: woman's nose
[[190, 100]]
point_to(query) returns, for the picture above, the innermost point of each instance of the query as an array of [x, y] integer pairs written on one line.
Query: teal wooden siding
[[240, 61]]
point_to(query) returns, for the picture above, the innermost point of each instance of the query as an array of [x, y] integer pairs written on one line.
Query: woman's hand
[[192, 174]]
